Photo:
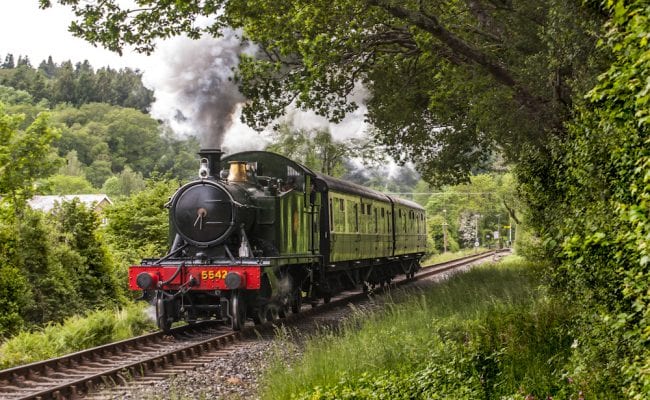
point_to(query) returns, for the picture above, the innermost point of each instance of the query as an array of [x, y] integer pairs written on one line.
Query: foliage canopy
[[461, 79]]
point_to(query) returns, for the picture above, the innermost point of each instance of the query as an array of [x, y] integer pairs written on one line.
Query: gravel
[[231, 376]]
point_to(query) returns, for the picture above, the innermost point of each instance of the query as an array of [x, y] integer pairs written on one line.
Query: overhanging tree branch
[[430, 23]]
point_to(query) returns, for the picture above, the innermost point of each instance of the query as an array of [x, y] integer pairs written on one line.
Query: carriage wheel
[[283, 307], [296, 303]]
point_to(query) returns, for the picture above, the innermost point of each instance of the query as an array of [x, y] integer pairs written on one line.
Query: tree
[[98, 284], [130, 92], [99, 172], [72, 166], [133, 139], [24, 61], [64, 85], [84, 84], [49, 267], [179, 160], [15, 292], [78, 84], [138, 225], [10, 96], [315, 149], [9, 62], [471, 211], [48, 67], [25, 156], [66, 184], [125, 184]]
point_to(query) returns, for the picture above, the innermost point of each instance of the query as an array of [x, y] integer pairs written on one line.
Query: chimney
[[213, 157]]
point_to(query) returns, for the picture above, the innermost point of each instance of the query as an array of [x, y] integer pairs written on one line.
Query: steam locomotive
[[257, 234]]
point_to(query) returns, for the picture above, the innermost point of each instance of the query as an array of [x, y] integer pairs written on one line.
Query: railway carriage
[[258, 233]]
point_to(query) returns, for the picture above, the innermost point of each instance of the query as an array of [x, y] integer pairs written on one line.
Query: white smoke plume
[[193, 86], [196, 96]]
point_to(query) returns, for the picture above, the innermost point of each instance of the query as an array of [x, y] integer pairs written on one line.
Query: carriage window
[[368, 209], [382, 213], [341, 205]]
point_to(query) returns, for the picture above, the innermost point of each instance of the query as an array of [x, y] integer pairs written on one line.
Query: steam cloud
[[192, 81], [195, 95]]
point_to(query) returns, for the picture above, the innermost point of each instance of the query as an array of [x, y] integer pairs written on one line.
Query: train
[[257, 234]]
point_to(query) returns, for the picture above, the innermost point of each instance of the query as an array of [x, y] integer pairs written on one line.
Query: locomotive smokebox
[[213, 159]]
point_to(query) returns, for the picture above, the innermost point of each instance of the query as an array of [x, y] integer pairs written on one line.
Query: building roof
[[47, 203]]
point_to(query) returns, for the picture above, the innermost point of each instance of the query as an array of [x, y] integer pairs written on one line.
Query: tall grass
[[74, 334], [488, 333]]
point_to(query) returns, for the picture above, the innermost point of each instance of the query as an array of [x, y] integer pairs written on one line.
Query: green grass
[[488, 333], [74, 334]]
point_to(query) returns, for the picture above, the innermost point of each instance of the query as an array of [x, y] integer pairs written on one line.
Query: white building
[[97, 202]]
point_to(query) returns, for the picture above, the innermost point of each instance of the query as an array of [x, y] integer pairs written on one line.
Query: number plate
[[213, 275]]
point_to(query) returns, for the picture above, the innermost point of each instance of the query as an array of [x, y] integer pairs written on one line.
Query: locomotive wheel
[[296, 303], [237, 312], [259, 315], [161, 316], [271, 312], [283, 308]]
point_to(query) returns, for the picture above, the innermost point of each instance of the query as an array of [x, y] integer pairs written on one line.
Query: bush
[[590, 203], [138, 226]]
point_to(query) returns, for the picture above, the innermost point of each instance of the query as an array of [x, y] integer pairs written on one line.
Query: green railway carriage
[[257, 233], [367, 236], [410, 227]]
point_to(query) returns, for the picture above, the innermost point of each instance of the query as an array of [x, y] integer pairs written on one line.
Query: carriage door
[[312, 208]]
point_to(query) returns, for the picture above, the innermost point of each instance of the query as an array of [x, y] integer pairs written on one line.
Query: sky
[[25, 29]]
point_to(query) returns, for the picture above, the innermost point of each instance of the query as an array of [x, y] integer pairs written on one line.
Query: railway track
[[157, 354]]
